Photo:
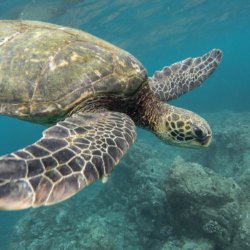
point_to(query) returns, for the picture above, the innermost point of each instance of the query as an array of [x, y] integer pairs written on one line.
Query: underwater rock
[[244, 183], [242, 237], [228, 154], [202, 203], [241, 240], [188, 244], [72, 225]]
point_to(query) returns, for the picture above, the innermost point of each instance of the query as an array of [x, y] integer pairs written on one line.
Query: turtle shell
[[46, 69]]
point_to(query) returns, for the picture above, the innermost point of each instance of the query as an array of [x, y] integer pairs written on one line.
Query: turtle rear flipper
[[70, 155], [181, 77]]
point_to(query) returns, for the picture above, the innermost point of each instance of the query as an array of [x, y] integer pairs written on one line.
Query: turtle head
[[181, 127]]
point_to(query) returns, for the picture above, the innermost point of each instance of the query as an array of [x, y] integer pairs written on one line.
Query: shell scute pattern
[[62, 68]]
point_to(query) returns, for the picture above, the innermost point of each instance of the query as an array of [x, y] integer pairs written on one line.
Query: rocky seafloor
[[158, 198]]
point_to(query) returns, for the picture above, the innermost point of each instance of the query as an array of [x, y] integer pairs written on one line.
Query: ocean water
[[158, 33]]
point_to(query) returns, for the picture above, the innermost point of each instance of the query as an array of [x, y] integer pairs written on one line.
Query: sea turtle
[[91, 94]]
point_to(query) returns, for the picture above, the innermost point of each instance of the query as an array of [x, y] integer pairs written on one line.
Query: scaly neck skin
[[147, 110], [144, 108]]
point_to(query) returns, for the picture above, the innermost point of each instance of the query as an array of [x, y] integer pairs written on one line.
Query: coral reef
[[157, 200], [229, 152], [241, 240], [188, 244], [202, 203]]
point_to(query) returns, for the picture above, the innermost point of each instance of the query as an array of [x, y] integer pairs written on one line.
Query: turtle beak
[[205, 141], [199, 142]]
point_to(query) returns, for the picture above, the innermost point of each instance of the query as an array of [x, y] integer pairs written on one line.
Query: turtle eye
[[198, 132]]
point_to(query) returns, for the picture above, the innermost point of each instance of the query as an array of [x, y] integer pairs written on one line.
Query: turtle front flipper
[[181, 77], [70, 155]]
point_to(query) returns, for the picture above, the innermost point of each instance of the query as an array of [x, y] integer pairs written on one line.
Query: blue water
[[158, 33]]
